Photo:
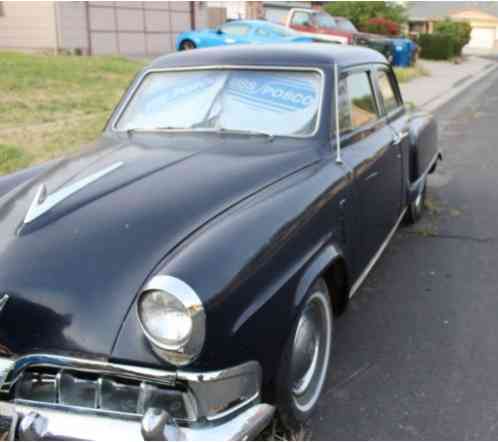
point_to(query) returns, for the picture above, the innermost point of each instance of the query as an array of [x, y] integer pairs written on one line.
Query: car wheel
[[305, 359], [416, 208], [187, 45]]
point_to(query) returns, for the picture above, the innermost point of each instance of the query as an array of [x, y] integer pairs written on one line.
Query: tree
[[360, 12]]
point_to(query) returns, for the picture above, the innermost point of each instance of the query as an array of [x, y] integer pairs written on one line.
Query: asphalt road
[[416, 354]]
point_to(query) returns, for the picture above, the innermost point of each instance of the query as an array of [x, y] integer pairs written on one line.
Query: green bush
[[437, 46], [459, 32]]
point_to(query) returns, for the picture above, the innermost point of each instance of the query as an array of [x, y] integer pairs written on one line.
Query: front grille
[[67, 388]]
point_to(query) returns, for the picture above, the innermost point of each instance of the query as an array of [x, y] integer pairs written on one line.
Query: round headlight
[[172, 318], [165, 318]]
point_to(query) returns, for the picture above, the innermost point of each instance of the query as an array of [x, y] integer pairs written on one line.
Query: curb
[[457, 88]]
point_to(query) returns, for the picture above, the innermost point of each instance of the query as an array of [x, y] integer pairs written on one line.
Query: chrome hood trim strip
[[42, 202]]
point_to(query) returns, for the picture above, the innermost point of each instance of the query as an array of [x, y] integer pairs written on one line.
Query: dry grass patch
[[404, 75], [51, 105]]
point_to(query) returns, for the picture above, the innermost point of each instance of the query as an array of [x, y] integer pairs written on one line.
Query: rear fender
[[424, 153]]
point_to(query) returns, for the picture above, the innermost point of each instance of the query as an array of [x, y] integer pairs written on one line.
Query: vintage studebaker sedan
[[180, 279]]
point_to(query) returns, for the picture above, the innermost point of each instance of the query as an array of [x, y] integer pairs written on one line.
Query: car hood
[[73, 272], [375, 38]]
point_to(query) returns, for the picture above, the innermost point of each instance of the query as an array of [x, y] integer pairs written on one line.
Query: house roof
[[425, 11]]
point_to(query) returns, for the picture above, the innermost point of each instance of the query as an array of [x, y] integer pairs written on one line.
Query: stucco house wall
[[126, 28], [28, 26]]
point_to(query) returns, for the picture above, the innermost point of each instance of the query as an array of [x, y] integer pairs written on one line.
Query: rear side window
[[357, 105], [387, 91], [239, 30]]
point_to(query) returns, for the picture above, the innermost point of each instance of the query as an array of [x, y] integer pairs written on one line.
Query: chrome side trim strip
[[42, 202], [131, 93], [3, 301], [376, 257]]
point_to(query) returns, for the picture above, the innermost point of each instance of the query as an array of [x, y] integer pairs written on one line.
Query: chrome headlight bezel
[[185, 352]]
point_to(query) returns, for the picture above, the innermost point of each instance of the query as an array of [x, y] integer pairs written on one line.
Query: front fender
[[318, 265], [10, 182], [252, 266]]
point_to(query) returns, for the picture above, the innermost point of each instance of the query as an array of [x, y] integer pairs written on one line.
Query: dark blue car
[[238, 32], [180, 279]]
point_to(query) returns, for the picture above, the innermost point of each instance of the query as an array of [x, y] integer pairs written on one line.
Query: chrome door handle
[[398, 137], [372, 176]]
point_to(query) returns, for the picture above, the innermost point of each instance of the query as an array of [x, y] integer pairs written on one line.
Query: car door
[[397, 118], [368, 151]]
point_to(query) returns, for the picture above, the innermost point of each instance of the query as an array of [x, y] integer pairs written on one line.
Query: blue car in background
[[238, 32]]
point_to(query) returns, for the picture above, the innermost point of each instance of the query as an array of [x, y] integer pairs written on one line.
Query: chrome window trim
[[131, 93]]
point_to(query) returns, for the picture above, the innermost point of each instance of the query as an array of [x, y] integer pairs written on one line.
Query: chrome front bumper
[[239, 420]]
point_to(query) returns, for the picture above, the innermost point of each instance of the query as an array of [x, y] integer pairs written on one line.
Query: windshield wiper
[[219, 130], [244, 132]]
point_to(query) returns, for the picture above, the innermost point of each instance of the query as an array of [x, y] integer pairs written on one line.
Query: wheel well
[[185, 40], [413, 164], [336, 278]]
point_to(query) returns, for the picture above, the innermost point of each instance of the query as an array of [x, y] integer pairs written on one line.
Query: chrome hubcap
[[311, 351]]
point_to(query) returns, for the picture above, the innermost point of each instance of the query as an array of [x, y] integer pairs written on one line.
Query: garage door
[[482, 38]]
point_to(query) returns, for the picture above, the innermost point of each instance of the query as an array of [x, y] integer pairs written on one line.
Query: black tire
[[310, 341], [416, 207], [187, 45]]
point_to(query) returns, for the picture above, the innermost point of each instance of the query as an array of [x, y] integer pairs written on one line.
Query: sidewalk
[[446, 80]]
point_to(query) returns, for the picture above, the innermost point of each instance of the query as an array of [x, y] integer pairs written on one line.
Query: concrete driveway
[[416, 354]]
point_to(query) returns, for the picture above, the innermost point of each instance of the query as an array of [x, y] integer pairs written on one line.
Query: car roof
[[295, 54]]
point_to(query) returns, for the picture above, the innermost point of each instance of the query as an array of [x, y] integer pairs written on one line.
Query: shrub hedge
[[446, 42], [437, 46]]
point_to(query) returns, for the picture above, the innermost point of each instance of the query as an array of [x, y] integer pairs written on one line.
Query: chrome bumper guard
[[227, 404]]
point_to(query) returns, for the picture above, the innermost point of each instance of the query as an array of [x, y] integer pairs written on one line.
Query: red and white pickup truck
[[323, 27]]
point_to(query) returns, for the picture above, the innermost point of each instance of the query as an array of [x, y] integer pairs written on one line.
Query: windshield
[[324, 21], [345, 25], [261, 101]]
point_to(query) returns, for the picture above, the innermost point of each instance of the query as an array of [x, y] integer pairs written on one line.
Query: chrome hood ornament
[[44, 202], [3, 301]]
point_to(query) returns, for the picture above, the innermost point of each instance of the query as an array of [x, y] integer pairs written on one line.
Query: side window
[[238, 30], [301, 19], [386, 90], [357, 105], [263, 33]]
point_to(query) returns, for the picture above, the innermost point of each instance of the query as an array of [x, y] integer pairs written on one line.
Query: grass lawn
[[404, 75], [51, 105]]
